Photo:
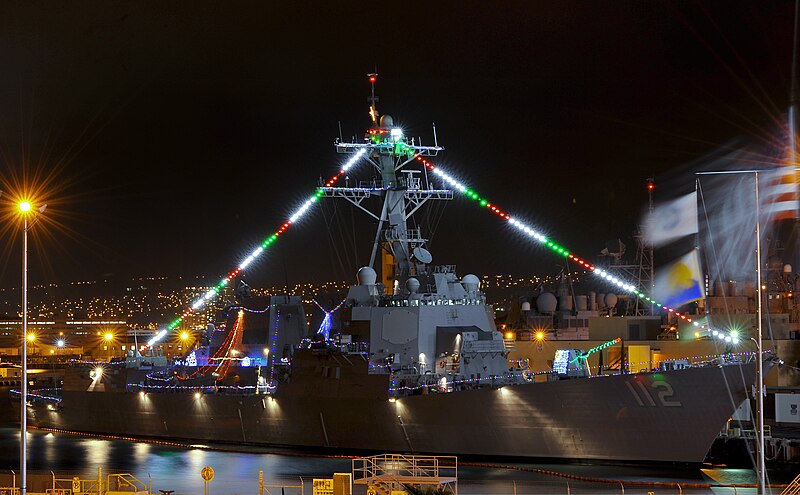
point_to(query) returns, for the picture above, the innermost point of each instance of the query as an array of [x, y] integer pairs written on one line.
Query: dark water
[[175, 468]]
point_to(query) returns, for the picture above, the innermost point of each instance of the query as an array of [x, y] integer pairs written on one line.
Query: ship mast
[[392, 156]]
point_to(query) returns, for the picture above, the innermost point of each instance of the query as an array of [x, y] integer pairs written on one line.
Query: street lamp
[[108, 338], [25, 208]]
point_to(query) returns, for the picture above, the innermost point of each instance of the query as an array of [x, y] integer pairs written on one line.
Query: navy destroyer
[[418, 365]]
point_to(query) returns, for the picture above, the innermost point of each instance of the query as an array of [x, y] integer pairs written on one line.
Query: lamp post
[[25, 209], [108, 338]]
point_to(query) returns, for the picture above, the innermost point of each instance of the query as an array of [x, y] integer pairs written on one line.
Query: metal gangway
[[384, 474]]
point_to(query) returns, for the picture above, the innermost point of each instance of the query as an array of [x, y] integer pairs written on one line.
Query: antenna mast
[[392, 155]]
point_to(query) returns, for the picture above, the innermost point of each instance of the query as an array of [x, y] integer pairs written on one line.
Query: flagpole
[[793, 94], [760, 464], [760, 356]]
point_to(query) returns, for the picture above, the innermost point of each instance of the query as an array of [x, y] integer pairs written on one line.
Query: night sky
[[172, 137]]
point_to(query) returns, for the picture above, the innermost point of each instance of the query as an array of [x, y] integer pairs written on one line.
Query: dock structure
[[112, 484], [391, 473]]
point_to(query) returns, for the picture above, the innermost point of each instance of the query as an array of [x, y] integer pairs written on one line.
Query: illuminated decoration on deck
[[296, 216], [191, 359], [325, 327], [584, 355], [542, 239], [221, 356]]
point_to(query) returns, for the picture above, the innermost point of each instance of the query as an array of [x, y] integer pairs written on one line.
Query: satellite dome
[[787, 268], [412, 285], [546, 302], [611, 300], [366, 276], [387, 121], [525, 306], [471, 282]]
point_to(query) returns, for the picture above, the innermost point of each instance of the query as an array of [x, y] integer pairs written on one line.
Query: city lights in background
[[542, 239], [293, 218]]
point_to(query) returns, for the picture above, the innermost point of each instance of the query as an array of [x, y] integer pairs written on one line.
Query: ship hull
[[668, 416]]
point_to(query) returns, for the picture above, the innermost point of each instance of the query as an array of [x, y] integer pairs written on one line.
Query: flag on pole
[[672, 220], [680, 282], [780, 199]]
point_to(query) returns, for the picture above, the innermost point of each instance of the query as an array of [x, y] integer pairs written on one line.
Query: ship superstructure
[[423, 323]]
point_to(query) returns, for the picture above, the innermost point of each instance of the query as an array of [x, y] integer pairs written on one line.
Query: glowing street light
[[540, 336], [25, 206]]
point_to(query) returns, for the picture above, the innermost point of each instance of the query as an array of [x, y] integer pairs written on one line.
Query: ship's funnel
[[366, 276]]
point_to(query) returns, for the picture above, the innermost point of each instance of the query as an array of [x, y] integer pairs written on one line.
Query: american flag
[[780, 198]]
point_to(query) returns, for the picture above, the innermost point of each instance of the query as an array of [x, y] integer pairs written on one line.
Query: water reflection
[[173, 468]]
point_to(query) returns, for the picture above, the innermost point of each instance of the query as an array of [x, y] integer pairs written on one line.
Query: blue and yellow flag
[[680, 282]]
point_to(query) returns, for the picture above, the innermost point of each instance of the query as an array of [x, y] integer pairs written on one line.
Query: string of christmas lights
[[709, 359], [248, 310], [265, 244], [273, 345], [542, 239], [226, 363]]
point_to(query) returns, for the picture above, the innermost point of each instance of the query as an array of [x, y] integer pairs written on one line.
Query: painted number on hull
[[664, 393]]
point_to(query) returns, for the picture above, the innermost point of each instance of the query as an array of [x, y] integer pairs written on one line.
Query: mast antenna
[[373, 110]]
